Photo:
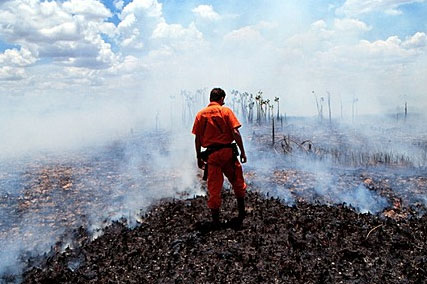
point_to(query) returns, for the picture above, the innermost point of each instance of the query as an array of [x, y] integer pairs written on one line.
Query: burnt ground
[[305, 243]]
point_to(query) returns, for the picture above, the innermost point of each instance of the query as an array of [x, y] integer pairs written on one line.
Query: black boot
[[237, 222], [241, 207], [215, 218]]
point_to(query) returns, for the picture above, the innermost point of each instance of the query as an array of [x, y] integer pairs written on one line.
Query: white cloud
[[246, 34], [350, 25], [19, 58], [357, 7], [277, 52], [12, 63], [318, 25], [67, 32], [340, 46], [69, 35], [8, 73], [138, 20], [393, 12], [371, 57], [393, 49], [251, 33], [90, 9], [206, 12], [118, 4], [337, 57], [144, 29], [317, 37], [178, 36], [417, 41], [128, 65]]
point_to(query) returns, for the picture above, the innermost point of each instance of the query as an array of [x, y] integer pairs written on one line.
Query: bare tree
[[258, 101], [317, 103], [322, 99], [276, 99], [329, 107], [353, 108], [406, 110]]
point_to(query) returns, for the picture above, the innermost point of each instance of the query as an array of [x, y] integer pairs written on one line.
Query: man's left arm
[[239, 141], [234, 124]]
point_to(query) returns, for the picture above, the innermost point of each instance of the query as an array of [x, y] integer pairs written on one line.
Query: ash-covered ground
[[303, 243], [345, 211]]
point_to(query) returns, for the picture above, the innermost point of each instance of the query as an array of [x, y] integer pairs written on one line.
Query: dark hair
[[216, 94]]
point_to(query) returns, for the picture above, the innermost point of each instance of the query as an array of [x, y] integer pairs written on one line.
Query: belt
[[213, 148]]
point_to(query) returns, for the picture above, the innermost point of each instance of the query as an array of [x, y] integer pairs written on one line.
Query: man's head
[[217, 95]]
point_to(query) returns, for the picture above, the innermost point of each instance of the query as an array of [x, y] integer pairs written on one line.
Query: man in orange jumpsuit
[[216, 127]]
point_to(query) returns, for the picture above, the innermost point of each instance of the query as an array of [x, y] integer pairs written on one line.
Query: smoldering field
[[67, 165]]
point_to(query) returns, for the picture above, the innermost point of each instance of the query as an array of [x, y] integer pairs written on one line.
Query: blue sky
[[348, 46], [411, 20]]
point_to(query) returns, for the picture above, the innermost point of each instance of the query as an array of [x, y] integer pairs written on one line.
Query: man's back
[[214, 125]]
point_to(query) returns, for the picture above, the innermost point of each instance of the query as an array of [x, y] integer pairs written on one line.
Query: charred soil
[[305, 243]]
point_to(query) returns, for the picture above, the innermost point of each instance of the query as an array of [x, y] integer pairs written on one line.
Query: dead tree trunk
[[329, 108]]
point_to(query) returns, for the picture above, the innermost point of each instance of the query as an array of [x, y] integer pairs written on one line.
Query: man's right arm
[[198, 145]]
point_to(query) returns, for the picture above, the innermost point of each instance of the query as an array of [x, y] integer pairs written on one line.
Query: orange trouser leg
[[215, 181], [222, 162], [234, 173]]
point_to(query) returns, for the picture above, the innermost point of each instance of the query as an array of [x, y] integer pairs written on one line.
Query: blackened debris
[[305, 243]]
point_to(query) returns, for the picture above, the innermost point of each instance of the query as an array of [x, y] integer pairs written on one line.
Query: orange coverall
[[214, 125]]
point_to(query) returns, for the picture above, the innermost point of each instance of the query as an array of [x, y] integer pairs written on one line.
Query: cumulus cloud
[[179, 37], [251, 33], [82, 49], [70, 35], [90, 9], [67, 32], [357, 7], [336, 56], [417, 41], [328, 46], [315, 38], [372, 57], [349, 25], [206, 12], [8, 73], [394, 49], [143, 28], [138, 20], [15, 57], [118, 4], [247, 34], [12, 63]]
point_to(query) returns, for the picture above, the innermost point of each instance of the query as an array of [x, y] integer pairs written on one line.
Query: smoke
[[155, 166], [27, 238], [31, 125], [363, 199], [329, 188], [9, 264]]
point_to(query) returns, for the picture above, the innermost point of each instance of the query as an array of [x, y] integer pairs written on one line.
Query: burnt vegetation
[[328, 202], [304, 243]]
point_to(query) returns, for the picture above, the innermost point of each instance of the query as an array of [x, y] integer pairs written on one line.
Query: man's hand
[[200, 163], [243, 158], [238, 138]]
